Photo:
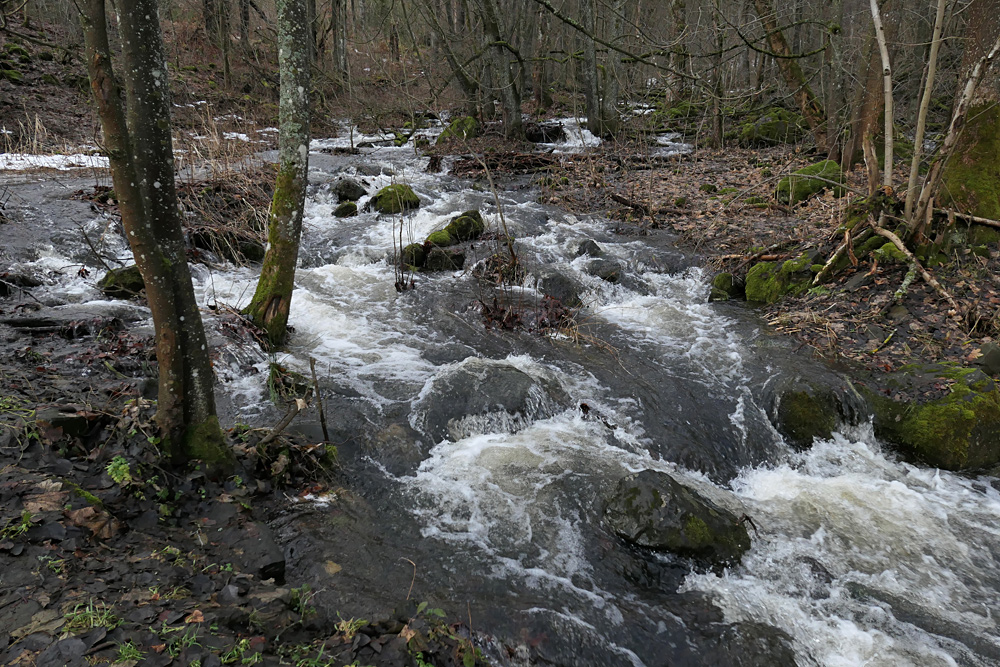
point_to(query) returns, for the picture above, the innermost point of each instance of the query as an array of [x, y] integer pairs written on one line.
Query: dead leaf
[[45, 502], [331, 567], [101, 524], [407, 633], [195, 617]]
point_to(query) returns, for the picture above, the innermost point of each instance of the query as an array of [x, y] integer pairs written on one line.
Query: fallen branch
[[646, 209], [297, 406], [971, 218], [319, 400], [915, 263]]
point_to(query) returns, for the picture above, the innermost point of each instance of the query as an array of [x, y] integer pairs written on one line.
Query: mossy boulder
[[348, 189], [462, 128], [772, 127], [441, 259], [653, 510], [766, 282], [395, 199], [804, 409], [467, 226], [957, 431], [346, 210], [441, 239], [726, 286], [122, 283], [799, 186], [413, 255]]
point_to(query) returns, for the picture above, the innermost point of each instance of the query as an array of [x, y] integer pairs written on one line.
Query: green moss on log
[[395, 199], [799, 186]]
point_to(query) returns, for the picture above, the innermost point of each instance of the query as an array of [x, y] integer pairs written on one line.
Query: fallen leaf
[[195, 617], [101, 524], [331, 567]]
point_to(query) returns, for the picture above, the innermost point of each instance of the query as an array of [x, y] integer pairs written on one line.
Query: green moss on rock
[[395, 199], [346, 210], [889, 254], [653, 510], [772, 127], [958, 431], [726, 286], [466, 226], [441, 239], [462, 128], [766, 282], [413, 255], [799, 186], [122, 283], [441, 259]]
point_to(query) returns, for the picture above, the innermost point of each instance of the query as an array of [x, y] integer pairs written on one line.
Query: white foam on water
[[842, 518]]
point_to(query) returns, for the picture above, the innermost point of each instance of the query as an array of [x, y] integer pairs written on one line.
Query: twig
[[414, 575], [928, 278], [297, 405], [319, 400], [971, 218]]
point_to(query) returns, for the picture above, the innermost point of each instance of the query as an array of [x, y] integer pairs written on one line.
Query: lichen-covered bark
[[139, 147], [970, 181], [272, 299]]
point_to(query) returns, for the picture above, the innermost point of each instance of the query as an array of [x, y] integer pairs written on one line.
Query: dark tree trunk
[[139, 149]]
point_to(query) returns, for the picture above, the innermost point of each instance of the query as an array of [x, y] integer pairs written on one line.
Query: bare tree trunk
[[679, 54], [591, 86], [888, 129], [140, 154], [338, 51], [925, 103], [272, 299], [503, 81], [792, 73]]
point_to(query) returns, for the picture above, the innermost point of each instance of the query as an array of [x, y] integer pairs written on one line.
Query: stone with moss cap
[[395, 199], [441, 239], [799, 186], [346, 210], [122, 283], [466, 226], [957, 431], [772, 127], [653, 510], [766, 282], [463, 127], [413, 255], [726, 286]]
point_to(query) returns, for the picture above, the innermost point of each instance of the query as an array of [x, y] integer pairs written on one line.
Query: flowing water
[[859, 558]]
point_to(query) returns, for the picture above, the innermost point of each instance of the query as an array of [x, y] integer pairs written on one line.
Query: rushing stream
[[859, 559]]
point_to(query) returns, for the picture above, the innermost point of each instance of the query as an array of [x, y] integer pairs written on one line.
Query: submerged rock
[[653, 510], [957, 431], [799, 186], [484, 396], [122, 283], [395, 199]]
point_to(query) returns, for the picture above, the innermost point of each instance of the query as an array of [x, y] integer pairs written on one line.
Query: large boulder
[[803, 184], [466, 226], [395, 199], [441, 259], [943, 415], [802, 409], [774, 126], [726, 286], [653, 510], [766, 282], [484, 396], [348, 189], [462, 128]]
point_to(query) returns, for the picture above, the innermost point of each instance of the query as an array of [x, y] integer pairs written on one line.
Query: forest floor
[[103, 564]]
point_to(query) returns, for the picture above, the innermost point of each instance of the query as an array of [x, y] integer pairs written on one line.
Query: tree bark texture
[[504, 82], [138, 143], [970, 180], [792, 73], [272, 299]]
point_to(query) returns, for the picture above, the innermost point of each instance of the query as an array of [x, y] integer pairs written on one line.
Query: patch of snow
[[25, 161]]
